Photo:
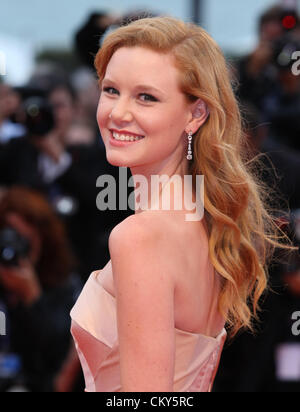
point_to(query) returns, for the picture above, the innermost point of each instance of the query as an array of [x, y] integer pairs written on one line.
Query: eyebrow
[[144, 87]]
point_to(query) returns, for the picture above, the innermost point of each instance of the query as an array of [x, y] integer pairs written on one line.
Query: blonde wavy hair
[[243, 232]]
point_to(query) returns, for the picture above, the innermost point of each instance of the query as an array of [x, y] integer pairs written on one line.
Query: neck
[[165, 186]]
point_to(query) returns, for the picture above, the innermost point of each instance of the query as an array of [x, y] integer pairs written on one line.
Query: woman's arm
[[69, 373], [145, 306]]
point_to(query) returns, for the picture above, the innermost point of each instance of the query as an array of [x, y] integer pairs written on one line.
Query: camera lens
[[13, 246], [39, 116], [8, 253]]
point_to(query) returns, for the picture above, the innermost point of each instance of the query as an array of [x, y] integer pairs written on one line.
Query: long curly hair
[[243, 228]]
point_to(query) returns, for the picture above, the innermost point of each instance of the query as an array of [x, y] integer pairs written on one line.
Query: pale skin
[[161, 272]]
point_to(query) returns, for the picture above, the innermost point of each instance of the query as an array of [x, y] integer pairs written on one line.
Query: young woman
[[153, 318]]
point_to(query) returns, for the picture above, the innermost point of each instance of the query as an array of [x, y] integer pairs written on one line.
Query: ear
[[199, 114]]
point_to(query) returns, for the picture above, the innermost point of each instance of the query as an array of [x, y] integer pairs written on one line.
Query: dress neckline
[[214, 339]]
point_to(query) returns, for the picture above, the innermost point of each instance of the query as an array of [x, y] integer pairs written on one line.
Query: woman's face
[[140, 91]]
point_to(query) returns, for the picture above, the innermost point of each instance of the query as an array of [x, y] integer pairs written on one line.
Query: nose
[[121, 112]]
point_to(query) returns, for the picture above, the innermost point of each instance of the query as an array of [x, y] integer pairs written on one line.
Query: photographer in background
[[281, 105], [87, 38], [258, 71], [63, 99], [40, 155], [38, 287]]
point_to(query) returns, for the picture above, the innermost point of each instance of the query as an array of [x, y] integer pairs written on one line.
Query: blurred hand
[[22, 281], [51, 145]]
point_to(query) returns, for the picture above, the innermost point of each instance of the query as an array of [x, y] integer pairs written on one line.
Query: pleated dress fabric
[[94, 330]]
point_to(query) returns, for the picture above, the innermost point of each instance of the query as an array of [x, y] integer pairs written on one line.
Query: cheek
[[102, 113], [154, 121], [166, 123]]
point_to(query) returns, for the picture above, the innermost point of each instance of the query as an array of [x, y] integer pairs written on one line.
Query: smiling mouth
[[125, 138]]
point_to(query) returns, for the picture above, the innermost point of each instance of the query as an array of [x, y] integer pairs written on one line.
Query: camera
[[13, 247], [38, 116], [283, 50]]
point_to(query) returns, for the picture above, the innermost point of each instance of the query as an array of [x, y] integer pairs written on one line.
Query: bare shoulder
[[140, 259], [147, 225], [164, 235]]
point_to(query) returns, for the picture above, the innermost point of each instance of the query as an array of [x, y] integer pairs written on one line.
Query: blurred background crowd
[[52, 236]]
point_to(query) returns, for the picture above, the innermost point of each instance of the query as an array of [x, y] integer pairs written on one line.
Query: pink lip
[[121, 143]]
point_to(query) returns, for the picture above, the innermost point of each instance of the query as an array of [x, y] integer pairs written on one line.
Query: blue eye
[[107, 89], [151, 98]]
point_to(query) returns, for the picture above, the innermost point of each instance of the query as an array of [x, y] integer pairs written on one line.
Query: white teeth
[[123, 137]]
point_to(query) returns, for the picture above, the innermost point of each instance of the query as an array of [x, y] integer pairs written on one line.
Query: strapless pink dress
[[94, 329]]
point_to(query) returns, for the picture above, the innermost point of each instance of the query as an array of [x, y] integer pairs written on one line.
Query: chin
[[114, 161]]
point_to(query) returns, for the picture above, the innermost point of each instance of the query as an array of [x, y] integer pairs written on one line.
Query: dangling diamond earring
[[190, 153]]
